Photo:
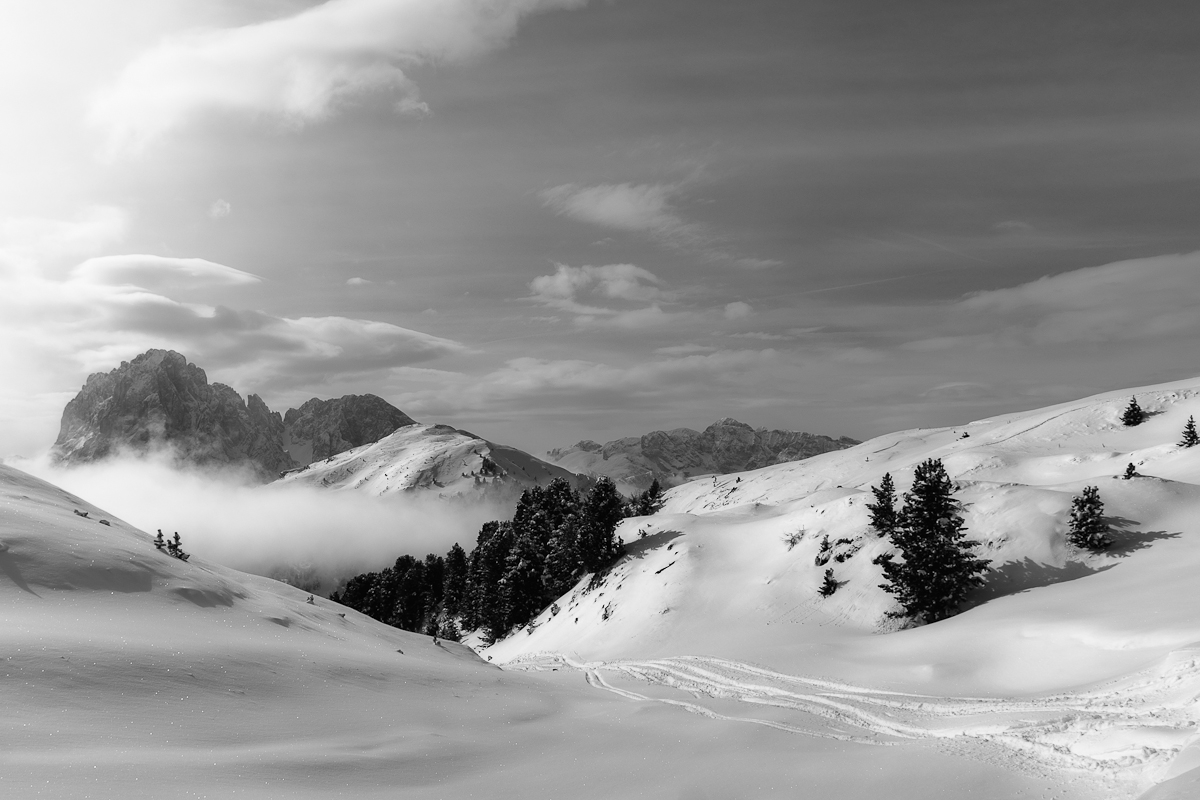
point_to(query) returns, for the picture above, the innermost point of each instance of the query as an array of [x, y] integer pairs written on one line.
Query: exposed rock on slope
[[438, 458], [676, 455], [160, 399], [322, 428]]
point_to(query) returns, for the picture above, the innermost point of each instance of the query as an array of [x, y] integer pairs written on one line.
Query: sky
[[550, 220]]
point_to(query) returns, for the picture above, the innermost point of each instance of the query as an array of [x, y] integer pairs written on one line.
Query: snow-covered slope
[[125, 673], [437, 458], [714, 577]]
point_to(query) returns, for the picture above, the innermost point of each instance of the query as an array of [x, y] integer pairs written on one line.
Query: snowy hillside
[[443, 460], [715, 600], [130, 674]]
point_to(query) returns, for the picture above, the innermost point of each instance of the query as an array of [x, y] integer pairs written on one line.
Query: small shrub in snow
[[1133, 414], [828, 585], [1088, 530], [824, 552], [1190, 437], [793, 539]]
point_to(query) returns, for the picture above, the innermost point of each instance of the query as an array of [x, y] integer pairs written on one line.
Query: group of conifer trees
[[516, 569], [938, 567]]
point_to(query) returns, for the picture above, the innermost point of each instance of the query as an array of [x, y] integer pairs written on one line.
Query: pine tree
[[648, 502], [1133, 414], [828, 585], [883, 510], [1088, 530], [603, 509], [1190, 437], [1130, 472], [454, 583], [159, 541], [938, 567]]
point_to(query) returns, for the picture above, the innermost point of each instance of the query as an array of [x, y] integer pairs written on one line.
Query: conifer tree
[[883, 510], [1190, 437], [1088, 530], [648, 502], [454, 583], [1130, 472], [829, 585], [603, 509], [159, 541], [521, 586], [1133, 414], [938, 567]]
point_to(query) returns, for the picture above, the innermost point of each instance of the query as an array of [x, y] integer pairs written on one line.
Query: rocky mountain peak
[[160, 399]]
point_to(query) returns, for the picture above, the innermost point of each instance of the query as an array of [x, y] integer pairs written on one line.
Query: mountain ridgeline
[[160, 399], [674, 456]]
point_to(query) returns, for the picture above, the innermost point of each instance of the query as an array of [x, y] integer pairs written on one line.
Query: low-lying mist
[[309, 537]]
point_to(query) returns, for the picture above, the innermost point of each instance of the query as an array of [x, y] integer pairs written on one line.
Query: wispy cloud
[[648, 208], [110, 308], [1140, 299], [299, 69], [616, 295]]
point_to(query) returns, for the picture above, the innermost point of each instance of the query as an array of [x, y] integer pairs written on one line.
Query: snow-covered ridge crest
[[443, 460]]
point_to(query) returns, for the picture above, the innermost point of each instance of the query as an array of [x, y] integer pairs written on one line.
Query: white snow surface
[[1082, 664], [439, 459], [704, 665]]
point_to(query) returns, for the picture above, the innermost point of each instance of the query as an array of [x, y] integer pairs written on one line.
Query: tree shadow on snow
[[1021, 576], [651, 541], [9, 567], [1127, 540]]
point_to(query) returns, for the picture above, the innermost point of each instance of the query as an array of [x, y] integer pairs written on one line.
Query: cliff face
[[159, 399], [676, 455], [323, 428]]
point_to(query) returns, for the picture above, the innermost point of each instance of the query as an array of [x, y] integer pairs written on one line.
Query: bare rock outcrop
[[673, 456], [160, 400]]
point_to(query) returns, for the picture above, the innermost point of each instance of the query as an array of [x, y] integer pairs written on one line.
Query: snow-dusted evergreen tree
[[1088, 530], [159, 541], [1133, 414], [1130, 472], [829, 585], [1190, 437], [883, 510], [648, 502], [454, 582], [939, 566]]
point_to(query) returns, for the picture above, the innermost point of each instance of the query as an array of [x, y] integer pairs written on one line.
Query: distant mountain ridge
[[159, 398], [676, 455]]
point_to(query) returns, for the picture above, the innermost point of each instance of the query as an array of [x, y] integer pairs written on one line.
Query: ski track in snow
[[1123, 735]]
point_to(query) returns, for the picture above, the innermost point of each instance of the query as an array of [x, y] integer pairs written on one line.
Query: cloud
[[26, 238], [738, 310], [56, 330], [160, 272], [220, 209], [615, 295], [531, 381], [683, 350], [758, 263], [644, 208], [358, 282], [301, 534], [302, 68], [1140, 299], [624, 206]]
